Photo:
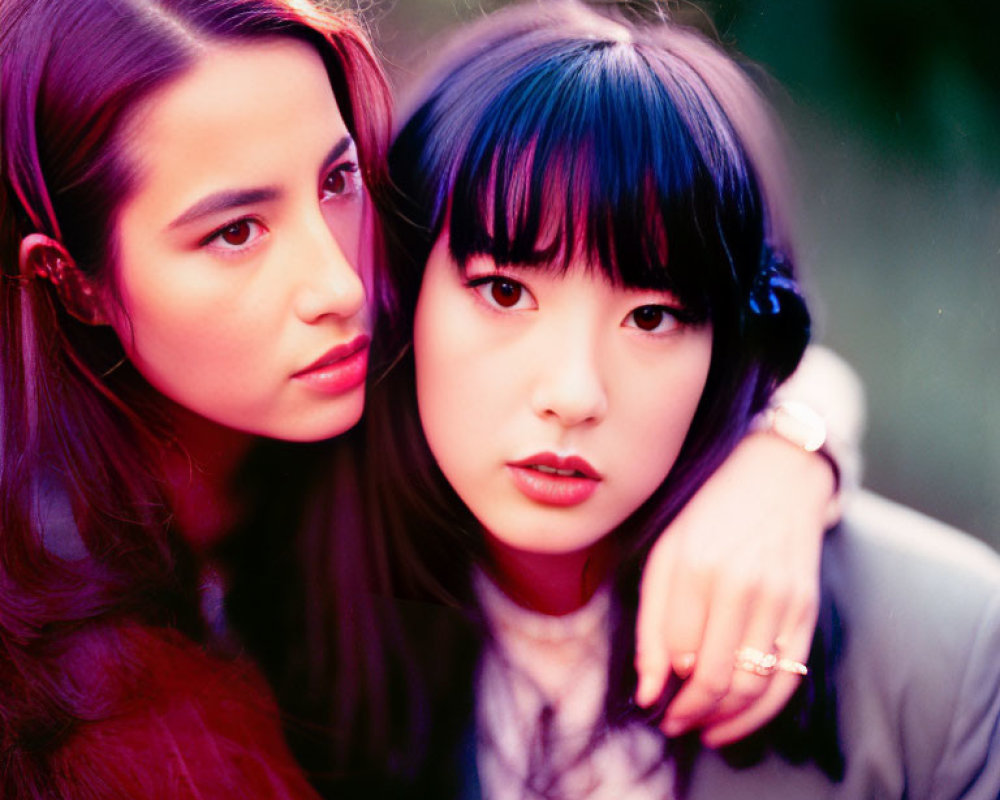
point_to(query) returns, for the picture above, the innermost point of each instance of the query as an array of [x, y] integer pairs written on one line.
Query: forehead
[[243, 114], [603, 166]]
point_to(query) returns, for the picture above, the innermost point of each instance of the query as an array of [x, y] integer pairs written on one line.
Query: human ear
[[44, 258]]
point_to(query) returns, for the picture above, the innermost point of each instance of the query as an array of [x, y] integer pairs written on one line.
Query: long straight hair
[[550, 134], [553, 133], [85, 528]]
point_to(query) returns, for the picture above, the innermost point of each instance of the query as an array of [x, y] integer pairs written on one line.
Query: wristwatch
[[794, 421]]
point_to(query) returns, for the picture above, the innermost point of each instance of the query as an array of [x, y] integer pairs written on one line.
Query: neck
[[200, 469], [550, 583]]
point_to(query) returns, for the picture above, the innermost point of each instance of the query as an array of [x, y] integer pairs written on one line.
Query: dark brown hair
[[85, 528]]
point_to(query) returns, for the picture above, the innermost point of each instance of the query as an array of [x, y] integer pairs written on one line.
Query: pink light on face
[[554, 403], [239, 254]]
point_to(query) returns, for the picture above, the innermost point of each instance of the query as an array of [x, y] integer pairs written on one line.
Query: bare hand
[[738, 567]]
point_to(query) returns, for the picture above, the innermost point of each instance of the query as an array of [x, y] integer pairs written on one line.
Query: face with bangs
[[554, 398], [562, 340]]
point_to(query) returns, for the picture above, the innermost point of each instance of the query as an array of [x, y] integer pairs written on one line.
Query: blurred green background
[[893, 108]]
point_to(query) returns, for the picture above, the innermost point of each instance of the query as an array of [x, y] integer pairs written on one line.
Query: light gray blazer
[[918, 681]]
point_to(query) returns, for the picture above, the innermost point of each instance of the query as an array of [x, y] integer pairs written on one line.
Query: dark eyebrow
[[225, 200], [337, 151]]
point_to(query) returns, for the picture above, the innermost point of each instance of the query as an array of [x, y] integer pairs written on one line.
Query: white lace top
[[540, 697]]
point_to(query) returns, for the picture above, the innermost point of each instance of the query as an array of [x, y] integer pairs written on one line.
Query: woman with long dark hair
[[594, 297], [186, 225], [186, 236]]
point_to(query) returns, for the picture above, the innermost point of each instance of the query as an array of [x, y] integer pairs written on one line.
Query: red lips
[[340, 369], [555, 480]]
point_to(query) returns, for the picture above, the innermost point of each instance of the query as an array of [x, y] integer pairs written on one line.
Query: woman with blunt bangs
[[186, 235], [594, 297]]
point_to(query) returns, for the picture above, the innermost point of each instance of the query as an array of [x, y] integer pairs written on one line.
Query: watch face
[[799, 424]]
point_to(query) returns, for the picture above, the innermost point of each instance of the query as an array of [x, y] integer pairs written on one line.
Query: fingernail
[[674, 727], [684, 664], [645, 692]]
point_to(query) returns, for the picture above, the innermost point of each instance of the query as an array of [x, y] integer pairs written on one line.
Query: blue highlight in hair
[[632, 151], [592, 151]]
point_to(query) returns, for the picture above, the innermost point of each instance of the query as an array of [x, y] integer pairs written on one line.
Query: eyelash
[[349, 169], [494, 281], [675, 316], [212, 240], [352, 175]]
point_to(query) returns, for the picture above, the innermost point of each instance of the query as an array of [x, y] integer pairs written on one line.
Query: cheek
[[671, 418], [364, 251], [151, 318], [192, 327], [456, 366], [666, 406], [352, 226], [439, 365]]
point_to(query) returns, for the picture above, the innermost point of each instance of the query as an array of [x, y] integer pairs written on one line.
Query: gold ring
[[757, 662], [794, 667]]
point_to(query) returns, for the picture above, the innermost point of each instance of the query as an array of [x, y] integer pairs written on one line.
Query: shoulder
[[182, 723], [875, 529], [912, 582], [918, 682]]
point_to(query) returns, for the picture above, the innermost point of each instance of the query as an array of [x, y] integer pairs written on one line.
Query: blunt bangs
[[550, 135], [596, 153]]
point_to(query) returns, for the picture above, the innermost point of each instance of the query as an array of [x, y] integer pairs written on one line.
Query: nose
[[331, 285], [570, 387]]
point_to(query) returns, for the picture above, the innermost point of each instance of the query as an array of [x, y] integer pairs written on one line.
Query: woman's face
[[555, 404], [239, 258]]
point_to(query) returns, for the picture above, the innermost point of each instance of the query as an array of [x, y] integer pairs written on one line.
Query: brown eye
[[342, 181], [506, 293], [654, 319], [648, 318], [236, 234], [503, 294], [336, 183], [239, 236]]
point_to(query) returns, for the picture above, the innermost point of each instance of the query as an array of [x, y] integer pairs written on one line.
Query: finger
[[766, 619], [713, 671], [652, 657], [688, 604], [725, 728], [732, 729]]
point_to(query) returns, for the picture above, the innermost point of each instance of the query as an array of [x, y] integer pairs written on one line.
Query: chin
[[546, 541], [319, 427]]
